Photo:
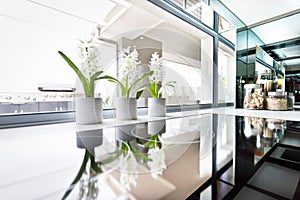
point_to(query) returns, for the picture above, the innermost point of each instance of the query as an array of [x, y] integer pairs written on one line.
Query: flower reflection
[[156, 155], [137, 151], [88, 185], [158, 164], [128, 167], [88, 177], [127, 154]]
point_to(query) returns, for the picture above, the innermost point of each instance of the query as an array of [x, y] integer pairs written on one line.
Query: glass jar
[[276, 101], [254, 96], [291, 100]]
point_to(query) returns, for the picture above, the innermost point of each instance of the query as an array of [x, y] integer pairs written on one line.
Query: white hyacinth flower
[[158, 68], [128, 64], [128, 168], [158, 164], [89, 56]]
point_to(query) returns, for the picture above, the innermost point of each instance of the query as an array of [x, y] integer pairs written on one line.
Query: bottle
[[291, 100]]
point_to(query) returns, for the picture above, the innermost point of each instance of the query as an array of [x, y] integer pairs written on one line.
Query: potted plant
[[88, 110], [126, 105], [157, 104]]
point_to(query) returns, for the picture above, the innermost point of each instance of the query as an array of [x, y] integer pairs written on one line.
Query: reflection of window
[[198, 9], [225, 140], [226, 74], [190, 84], [227, 30], [194, 7]]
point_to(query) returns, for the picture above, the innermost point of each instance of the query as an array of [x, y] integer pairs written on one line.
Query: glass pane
[[206, 147], [242, 40], [177, 2], [253, 40], [201, 11], [219, 7], [226, 74], [227, 30], [267, 32], [194, 7]]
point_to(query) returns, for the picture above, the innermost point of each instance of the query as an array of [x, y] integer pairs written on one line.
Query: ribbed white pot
[[126, 108], [88, 110], [156, 107]]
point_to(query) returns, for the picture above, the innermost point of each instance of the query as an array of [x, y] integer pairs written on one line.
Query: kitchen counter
[[184, 155]]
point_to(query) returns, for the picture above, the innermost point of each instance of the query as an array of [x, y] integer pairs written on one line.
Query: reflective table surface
[[206, 156]]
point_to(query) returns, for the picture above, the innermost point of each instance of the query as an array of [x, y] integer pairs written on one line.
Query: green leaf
[[138, 140], [142, 156], [149, 144], [138, 154], [156, 89], [95, 166], [153, 141], [92, 80], [112, 158], [96, 75], [139, 93], [83, 79], [138, 80], [114, 80], [126, 88], [171, 83], [153, 90]]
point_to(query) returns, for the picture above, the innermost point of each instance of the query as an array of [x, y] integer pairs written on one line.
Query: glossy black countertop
[[205, 156]]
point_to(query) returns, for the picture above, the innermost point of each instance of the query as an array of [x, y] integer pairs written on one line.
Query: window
[[226, 74], [227, 30], [31, 35], [30, 59], [198, 9]]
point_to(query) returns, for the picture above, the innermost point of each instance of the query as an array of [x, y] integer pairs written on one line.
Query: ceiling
[[277, 26], [255, 11], [276, 23]]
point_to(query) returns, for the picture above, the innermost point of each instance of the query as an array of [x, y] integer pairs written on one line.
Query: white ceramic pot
[[126, 108], [88, 110], [89, 139], [156, 107], [141, 130], [156, 127], [124, 133]]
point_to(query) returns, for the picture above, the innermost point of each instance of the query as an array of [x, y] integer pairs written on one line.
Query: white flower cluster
[[158, 164], [158, 68], [128, 64], [89, 56], [128, 168]]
